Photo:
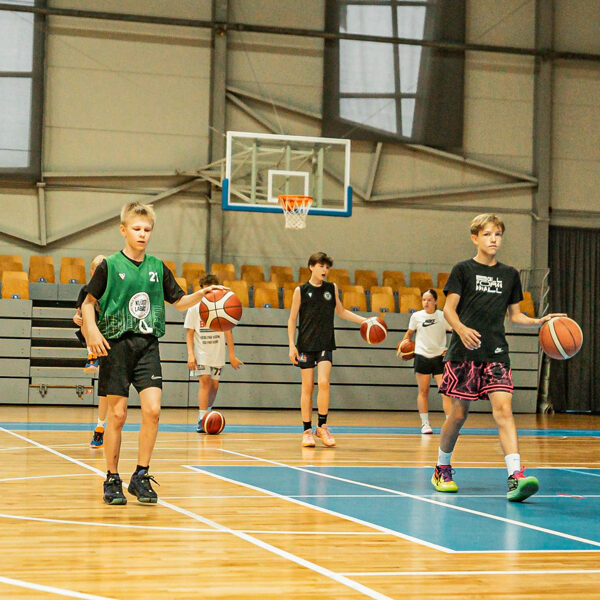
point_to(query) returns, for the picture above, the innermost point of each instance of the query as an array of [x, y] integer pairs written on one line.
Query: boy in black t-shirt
[[477, 364], [316, 301]]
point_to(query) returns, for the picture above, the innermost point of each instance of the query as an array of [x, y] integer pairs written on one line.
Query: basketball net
[[295, 210]]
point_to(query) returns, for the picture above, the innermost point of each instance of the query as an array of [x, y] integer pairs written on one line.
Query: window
[[21, 73], [381, 90]]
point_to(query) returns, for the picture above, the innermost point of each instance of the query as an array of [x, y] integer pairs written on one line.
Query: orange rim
[[291, 201]]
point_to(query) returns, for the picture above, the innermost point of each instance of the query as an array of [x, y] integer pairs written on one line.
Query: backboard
[[260, 167]]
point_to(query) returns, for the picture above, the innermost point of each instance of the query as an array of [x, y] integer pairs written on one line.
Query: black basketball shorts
[[133, 359], [308, 360], [429, 366]]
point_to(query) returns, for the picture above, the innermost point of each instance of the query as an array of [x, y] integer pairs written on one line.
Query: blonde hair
[[480, 221], [137, 209], [96, 261]]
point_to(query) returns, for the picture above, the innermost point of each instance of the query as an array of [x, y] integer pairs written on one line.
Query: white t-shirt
[[430, 331], [209, 345]]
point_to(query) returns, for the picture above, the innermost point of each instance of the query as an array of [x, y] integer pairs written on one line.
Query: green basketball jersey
[[133, 299]]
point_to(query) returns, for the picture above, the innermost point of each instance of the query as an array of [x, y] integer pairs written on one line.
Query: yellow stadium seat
[[170, 264], [223, 271], [12, 260], [240, 288], [442, 278], [41, 268], [351, 288], [365, 278], [339, 276], [192, 271], [303, 274], [396, 276], [10, 265], [264, 295], [527, 305], [280, 275], [441, 301], [288, 295], [352, 300], [409, 290], [15, 284], [382, 289], [410, 303], [380, 300], [72, 273], [252, 273], [421, 280]]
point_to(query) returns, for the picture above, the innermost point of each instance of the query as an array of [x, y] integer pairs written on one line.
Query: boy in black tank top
[[479, 291], [316, 301]]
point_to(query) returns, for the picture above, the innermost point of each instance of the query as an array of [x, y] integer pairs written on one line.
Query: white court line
[[428, 500], [293, 500], [45, 476], [471, 573], [358, 587], [580, 472], [50, 589]]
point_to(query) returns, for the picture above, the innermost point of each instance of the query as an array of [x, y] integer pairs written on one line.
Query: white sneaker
[[426, 429]]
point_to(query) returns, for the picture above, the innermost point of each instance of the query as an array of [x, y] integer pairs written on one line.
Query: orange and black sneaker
[[442, 479], [521, 487]]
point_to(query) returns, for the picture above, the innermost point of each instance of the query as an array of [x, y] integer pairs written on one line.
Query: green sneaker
[[442, 479], [521, 487]]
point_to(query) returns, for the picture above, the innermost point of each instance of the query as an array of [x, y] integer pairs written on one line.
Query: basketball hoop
[[295, 210]]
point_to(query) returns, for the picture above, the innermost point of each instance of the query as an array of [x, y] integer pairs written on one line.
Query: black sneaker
[[113, 490], [139, 486]]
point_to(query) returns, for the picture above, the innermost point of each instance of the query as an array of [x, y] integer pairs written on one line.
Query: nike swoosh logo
[[156, 377]]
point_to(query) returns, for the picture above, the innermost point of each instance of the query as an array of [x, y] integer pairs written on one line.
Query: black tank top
[[317, 309]]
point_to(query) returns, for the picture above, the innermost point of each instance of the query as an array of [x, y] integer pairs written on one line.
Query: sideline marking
[[50, 589]]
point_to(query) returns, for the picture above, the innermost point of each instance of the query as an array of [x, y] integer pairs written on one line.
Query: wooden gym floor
[[250, 514]]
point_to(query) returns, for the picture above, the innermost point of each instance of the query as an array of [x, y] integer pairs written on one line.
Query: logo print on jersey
[[483, 283], [429, 322], [327, 295], [139, 305], [122, 275], [309, 294]]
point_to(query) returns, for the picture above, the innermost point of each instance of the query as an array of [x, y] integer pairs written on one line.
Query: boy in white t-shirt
[[206, 354], [430, 346]]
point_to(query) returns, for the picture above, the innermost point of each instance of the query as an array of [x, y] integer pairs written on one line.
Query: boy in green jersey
[[131, 288]]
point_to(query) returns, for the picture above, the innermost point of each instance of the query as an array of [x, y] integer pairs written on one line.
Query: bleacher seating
[[351, 288], [240, 289], [421, 280], [183, 284], [441, 301], [382, 289], [355, 300], [382, 300], [410, 303], [192, 271], [41, 269], [252, 273], [223, 271], [72, 272], [442, 278], [366, 278], [394, 279], [339, 276], [15, 284], [303, 274], [170, 264], [265, 295], [280, 275], [527, 305]]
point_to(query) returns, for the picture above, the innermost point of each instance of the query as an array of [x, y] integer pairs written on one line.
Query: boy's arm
[[344, 313], [94, 339], [189, 342], [234, 361], [292, 321], [190, 300], [516, 316], [408, 335], [469, 337]]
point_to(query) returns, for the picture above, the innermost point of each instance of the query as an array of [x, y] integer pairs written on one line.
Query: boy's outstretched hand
[[235, 362], [97, 343]]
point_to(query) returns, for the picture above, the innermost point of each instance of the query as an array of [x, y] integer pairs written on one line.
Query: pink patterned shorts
[[470, 380]]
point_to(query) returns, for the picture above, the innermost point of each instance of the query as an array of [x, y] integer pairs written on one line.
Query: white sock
[[513, 463], [100, 422], [424, 418], [201, 414], [444, 458]]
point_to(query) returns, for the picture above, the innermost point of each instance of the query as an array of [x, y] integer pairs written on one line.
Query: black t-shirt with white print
[[485, 294]]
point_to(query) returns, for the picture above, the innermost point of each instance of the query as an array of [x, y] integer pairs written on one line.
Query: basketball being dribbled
[[220, 310], [561, 338], [406, 350], [373, 330], [213, 422]]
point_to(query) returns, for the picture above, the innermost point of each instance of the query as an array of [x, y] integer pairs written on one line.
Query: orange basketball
[[220, 310], [373, 330], [213, 422], [406, 350], [561, 338]]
